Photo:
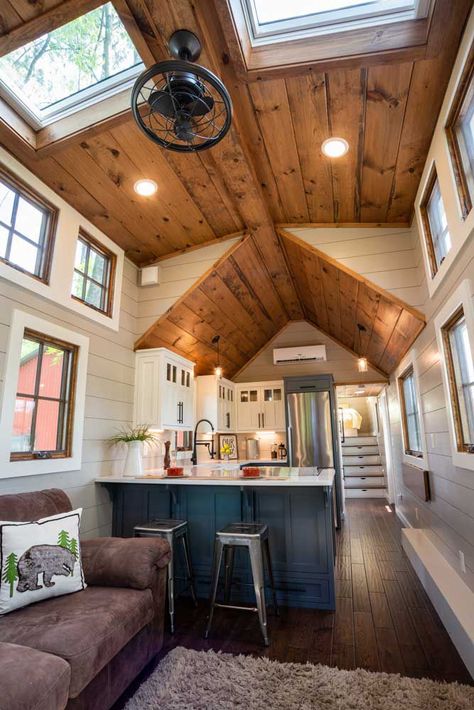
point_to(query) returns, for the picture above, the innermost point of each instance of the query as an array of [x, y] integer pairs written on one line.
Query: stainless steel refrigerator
[[310, 440], [312, 428]]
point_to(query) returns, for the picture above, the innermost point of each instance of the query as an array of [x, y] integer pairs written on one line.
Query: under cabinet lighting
[[335, 147], [145, 187]]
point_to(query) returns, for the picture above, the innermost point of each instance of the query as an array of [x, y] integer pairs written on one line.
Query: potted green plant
[[133, 438]]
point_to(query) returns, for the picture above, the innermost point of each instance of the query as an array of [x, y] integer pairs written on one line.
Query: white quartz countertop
[[229, 474]]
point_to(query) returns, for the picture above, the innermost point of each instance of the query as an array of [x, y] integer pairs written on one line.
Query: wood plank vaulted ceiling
[[267, 173]]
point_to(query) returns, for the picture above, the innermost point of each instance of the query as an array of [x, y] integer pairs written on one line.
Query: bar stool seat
[[172, 531], [253, 536]]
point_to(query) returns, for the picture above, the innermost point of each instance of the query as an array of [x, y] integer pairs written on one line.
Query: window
[[460, 133], [70, 68], [279, 19], [42, 424], [93, 278], [435, 225], [27, 225], [460, 368], [410, 414]]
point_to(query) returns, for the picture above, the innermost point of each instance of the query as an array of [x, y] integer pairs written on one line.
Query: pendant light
[[218, 369], [362, 363]]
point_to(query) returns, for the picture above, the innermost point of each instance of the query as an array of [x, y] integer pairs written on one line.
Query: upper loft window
[[277, 20], [93, 279], [27, 224], [70, 68], [460, 132], [435, 224]]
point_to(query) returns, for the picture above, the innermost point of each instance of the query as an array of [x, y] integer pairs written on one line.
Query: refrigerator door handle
[[290, 445]]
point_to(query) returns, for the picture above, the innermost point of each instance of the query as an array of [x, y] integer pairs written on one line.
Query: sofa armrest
[[32, 679], [124, 562]]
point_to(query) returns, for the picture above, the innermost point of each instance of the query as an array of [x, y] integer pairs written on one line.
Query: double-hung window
[[460, 368], [93, 279], [435, 225], [410, 414], [460, 133], [27, 225], [42, 424]]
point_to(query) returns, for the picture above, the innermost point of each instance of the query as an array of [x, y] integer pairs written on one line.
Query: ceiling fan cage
[[181, 106]]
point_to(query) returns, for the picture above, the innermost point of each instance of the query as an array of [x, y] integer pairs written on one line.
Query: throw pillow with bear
[[39, 560]]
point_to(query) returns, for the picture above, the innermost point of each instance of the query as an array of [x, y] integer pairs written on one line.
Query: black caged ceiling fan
[[181, 105]]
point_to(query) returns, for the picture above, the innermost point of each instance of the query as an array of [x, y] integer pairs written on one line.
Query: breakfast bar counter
[[295, 503]]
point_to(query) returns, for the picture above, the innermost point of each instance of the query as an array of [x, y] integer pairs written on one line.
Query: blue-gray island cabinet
[[298, 510]]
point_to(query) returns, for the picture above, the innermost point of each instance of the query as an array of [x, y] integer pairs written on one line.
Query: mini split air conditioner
[[304, 353]]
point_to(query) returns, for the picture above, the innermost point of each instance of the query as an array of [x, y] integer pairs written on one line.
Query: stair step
[[365, 493], [362, 470], [361, 460], [359, 441], [361, 450], [364, 482]]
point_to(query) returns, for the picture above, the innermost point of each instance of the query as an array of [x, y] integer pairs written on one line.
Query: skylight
[[277, 20], [71, 67]]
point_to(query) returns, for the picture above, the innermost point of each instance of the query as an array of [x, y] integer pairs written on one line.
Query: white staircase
[[363, 471]]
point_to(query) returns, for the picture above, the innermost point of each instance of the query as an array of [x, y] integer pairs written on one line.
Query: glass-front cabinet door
[[248, 409]]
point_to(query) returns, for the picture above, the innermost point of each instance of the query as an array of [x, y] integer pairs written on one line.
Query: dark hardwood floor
[[383, 621]]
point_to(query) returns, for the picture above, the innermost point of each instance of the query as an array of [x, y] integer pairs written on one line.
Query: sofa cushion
[[39, 559], [34, 505], [32, 680], [87, 629]]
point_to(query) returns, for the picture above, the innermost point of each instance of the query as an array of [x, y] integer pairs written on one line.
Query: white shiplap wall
[[109, 396], [340, 363], [448, 519], [390, 257], [177, 275]]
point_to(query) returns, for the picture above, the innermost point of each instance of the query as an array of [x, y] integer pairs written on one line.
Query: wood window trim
[[112, 268], [69, 428], [403, 413], [32, 195], [461, 446], [427, 233], [467, 77]]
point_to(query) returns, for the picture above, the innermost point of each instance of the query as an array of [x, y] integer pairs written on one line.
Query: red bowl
[[251, 472], [175, 472]]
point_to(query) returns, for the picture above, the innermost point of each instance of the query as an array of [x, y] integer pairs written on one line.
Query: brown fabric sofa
[[86, 647]]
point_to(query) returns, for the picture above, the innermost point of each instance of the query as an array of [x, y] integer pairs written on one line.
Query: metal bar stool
[[253, 536], [171, 531]]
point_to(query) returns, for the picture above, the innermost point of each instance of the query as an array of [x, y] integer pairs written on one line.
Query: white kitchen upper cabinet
[[164, 390], [215, 400], [260, 406]]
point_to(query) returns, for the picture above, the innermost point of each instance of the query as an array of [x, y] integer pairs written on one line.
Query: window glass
[[92, 276], [410, 414], [244, 396], [42, 419], [463, 375], [438, 225], [86, 57], [460, 132], [25, 229]]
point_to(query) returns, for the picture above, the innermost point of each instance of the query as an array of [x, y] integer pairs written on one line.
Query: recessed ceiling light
[[335, 147], [145, 187]]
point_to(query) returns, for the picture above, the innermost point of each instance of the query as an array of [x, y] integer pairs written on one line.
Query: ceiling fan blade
[[200, 106], [162, 102]]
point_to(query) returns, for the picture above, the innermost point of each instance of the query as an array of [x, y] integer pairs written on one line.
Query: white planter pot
[[134, 461]]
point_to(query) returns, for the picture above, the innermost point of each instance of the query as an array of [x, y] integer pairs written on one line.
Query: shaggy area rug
[[199, 680]]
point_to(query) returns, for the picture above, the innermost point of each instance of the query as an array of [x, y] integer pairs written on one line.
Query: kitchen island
[[296, 504]]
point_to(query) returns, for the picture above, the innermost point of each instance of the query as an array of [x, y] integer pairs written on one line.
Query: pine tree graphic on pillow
[[10, 573]]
